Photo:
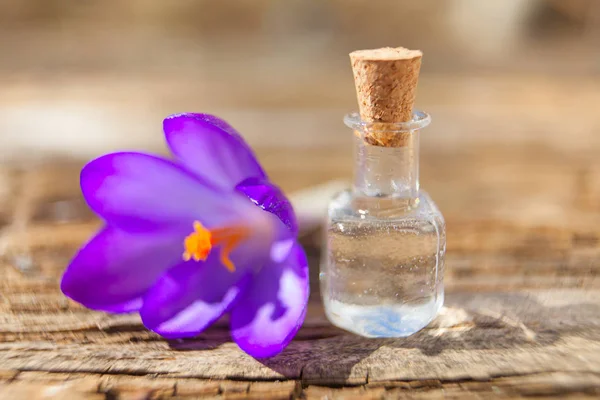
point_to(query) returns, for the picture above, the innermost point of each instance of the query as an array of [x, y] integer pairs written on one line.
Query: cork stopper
[[386, 81]]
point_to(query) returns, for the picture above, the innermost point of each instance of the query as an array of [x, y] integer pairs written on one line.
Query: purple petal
[[192, 295], [268, 315], [137, 192], [211, 148], [270, 198], [119, 308], [115, 268]]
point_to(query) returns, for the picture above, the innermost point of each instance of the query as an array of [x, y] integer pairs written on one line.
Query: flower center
[[200, 242]]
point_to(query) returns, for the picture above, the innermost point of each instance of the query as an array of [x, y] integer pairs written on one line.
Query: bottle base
[[382, 321]]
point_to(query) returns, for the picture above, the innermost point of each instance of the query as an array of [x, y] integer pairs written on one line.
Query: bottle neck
[[391, 172]]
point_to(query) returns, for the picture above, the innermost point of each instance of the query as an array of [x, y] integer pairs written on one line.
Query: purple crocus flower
[[190, 239]]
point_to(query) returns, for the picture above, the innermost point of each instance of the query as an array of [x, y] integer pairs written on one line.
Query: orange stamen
[[200, 242]]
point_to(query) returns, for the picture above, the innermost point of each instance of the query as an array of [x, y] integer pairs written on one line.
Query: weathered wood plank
[[479, 336], [535, 339], [58, 386], [522, 273]]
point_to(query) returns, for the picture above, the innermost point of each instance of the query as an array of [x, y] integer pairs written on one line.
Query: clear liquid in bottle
[[383, 264]]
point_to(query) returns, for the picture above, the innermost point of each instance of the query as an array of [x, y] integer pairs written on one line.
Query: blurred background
[[80, 78], [513, 87]]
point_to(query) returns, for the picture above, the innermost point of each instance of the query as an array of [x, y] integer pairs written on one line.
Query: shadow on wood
[[496, 322]]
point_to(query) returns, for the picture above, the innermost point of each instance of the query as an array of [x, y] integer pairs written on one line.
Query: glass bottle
[[383, 262]]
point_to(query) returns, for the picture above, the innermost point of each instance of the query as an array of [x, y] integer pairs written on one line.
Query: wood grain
[[522, 316]]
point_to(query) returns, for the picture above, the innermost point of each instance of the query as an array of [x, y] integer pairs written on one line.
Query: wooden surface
[[521, 198], [511, 158]]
